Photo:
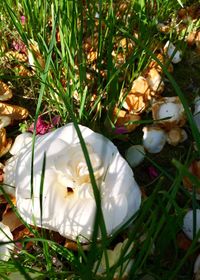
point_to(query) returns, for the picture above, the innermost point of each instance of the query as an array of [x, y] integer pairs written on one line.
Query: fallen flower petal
[[42, 127], [153, 173]]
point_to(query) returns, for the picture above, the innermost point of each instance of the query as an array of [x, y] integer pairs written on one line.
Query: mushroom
[[174, 55], [155, 82], [176, 135], [5, 236], [124, 119], [5, 92], [169, 112], [68, 203], [188, 223], [5, 144], [154, 139], [135, 155]]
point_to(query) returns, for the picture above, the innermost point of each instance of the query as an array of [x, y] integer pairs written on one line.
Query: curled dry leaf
[[92, 56], [124, 119], [126, 44], [169, 112], [4, 121], [5, 92], [23, 71], [15, 56], [10, 219], [194, 168], [162, 59], [5, 144], [194, 39], [71, 245], [119, 58], [155, 82], [137, 99], [183, 241], [14, 112], [35, 55], [176, 135]]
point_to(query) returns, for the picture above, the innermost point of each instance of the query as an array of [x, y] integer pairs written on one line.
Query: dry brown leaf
[[10, 219], [15, 112], [183, 242], [5, 144], [5, 92]]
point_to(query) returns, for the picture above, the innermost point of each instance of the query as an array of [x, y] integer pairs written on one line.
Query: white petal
[[20, 142]]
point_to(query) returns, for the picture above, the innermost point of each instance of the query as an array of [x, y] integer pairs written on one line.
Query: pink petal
[[153, 173], [23, 20], [120, 130]]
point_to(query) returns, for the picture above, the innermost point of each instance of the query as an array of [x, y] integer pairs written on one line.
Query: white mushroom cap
[[135, 155], [68, 201], [5, 236], [176, 56], [154, 139], [188, 223], [169, 111]]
